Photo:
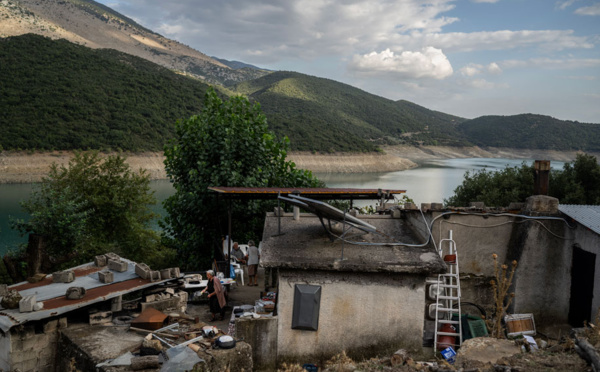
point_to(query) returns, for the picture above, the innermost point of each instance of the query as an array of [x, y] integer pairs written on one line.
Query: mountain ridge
[[96, 26]]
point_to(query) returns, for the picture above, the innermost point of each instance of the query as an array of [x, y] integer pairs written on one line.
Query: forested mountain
[[94, 25], [319, 114], [529, 131], [59, 95]]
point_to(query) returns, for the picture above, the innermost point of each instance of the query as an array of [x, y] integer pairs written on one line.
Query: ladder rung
[[448, 321], [447, 310], [449, 275], [448, 334], [449, 298]]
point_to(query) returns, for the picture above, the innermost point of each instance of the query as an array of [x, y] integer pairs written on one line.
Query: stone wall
[[31, 347], [543, 249], [363, 314]]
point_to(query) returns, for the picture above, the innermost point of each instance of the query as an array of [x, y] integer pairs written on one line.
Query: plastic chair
[[237, 268]]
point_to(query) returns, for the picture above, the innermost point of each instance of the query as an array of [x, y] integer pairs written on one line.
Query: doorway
[[582, 286]]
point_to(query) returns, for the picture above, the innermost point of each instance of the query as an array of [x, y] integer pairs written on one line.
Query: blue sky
[[467, 57]]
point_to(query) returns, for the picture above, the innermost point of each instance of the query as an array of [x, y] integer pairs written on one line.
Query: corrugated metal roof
[[53, 294], [315, 193], [587, 215]]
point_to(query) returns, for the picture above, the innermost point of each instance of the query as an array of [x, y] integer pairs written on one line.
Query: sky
[[463, 57]]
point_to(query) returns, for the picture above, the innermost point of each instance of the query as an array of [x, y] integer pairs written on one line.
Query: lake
[[432, 181]]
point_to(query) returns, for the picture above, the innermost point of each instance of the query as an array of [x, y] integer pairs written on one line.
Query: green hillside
[[58, 95], [319, 113], [529, 131]]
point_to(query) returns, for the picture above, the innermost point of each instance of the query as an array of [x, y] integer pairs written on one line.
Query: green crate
[[477, 327]]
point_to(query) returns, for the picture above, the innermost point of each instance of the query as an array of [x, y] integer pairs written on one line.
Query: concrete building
[[334, 296]]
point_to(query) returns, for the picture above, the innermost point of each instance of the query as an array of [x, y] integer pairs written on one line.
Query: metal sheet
[[587, 215], [322, 193], [52, 295]]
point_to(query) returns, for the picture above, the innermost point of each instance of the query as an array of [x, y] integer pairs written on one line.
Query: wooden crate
[[519, 324]]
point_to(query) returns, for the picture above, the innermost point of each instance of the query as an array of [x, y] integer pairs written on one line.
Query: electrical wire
[[429, 227]]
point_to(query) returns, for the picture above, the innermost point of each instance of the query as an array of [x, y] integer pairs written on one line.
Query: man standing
[[253, 258]]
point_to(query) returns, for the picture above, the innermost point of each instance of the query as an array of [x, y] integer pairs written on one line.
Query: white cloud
[[592, 10], [562, 5], [471, 70], [499, 40], [427, 63], [549, 63], [494, 69]]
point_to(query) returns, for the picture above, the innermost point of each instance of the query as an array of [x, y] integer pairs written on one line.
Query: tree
[[577, 183], [227, 144], [512, 184], [93, 206]]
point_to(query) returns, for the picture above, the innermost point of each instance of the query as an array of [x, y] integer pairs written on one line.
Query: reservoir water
[[432, 181]]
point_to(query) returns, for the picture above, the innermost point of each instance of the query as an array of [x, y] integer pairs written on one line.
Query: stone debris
[[486, 350], [100, 261], [75, 293], [66, 276], [106, 276], [27, 303], [117, 265], [100, 317], [11, 300], [36, 278]]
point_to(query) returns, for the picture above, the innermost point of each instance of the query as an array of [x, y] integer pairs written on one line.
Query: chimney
[[541, 178]]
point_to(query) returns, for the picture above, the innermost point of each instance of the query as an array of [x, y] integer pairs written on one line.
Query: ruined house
[[369, 298]]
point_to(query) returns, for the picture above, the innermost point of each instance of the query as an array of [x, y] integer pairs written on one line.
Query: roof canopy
[[323, 193]]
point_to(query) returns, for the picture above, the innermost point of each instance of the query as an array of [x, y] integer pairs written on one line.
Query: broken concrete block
[[11, 300], [175, 273], [38, 306], [62, 322], [66, 276], [106, 276], [165, 274], [477, 205], [169, 290], [396, 213], [119, 266], [116, 304], [51, 326], [410, 206], [154, 276], [36, 278], [437, 206], [142, 270], [75, 293], [514, 206], [100, 260], [112, 256], [425, 206], [183, 295], [3, 289], [100, 317], [541, 204], [150, 298], [27, 303]]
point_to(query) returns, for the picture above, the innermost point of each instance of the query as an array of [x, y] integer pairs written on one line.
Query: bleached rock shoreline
[[23, 167]]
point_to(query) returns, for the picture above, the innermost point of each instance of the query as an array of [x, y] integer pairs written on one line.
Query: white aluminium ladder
[[448, 299]]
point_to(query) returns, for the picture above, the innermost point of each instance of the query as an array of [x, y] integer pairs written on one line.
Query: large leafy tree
[[577, 183], [227, 144], [94, 205]]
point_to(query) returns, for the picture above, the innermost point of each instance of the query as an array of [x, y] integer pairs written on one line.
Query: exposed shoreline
[[24, 167]]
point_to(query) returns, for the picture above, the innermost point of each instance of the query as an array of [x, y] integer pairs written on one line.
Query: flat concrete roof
[[304, 244]]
